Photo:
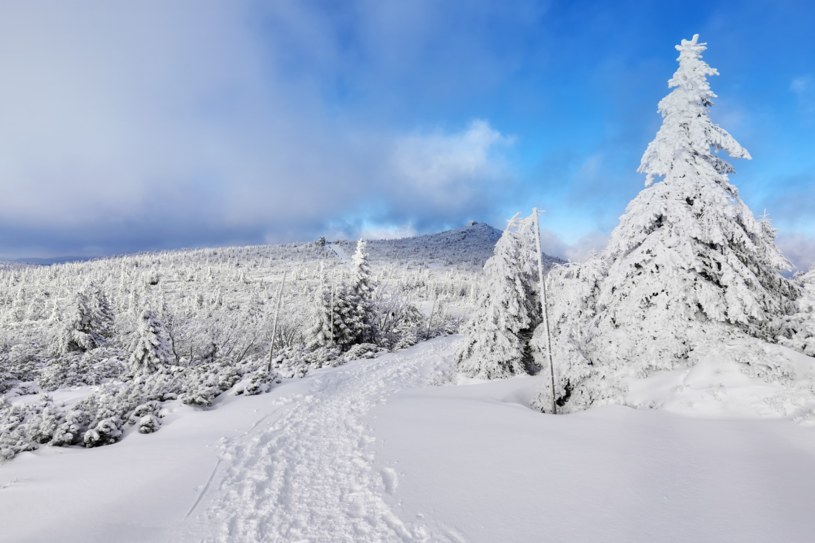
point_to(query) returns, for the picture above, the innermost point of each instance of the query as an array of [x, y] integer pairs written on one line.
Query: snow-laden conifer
[[688, 259], [151, 350], [496, 343], [88, 323], [320, 333], [687, 248], [360, 295]]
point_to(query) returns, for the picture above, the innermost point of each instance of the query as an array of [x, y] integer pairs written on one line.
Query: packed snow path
[[305, 473]]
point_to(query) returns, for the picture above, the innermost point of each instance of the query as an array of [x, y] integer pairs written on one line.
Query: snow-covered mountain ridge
[[469, 246]]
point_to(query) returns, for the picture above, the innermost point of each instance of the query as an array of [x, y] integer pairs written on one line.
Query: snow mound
[[746, 379]]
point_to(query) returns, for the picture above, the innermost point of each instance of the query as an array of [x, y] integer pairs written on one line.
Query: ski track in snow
[[307, 473]]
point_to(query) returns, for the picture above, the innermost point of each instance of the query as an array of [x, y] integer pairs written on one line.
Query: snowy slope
[[373, 451]]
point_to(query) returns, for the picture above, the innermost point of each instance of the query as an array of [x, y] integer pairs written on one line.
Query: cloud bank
[[146, 124]]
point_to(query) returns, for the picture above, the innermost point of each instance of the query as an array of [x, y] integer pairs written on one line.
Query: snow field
[[372, 452], [492, 470]]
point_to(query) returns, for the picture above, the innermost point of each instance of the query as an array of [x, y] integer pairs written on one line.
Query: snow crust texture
[[306, 473]]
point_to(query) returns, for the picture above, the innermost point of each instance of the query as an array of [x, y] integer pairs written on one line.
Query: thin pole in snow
[[331, 312], [544, 309], [274, 324]]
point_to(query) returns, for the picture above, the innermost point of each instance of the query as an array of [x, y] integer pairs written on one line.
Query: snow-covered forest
[[288, 358], [139, 330]]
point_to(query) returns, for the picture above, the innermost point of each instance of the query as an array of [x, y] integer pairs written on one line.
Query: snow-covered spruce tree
[[496, 343], [687, 261], [360, 294], [102, 312], [89, 322], [320, 334], [347, 324], [151, 350]]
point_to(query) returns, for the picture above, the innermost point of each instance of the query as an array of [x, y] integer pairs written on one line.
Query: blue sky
[[129, 126]]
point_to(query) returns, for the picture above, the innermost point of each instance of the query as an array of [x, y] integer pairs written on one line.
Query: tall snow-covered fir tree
[[320, 333], [151, 350], [688, 260], [496, 343], [360, 295]]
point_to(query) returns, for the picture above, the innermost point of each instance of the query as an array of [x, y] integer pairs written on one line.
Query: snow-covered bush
[[363, 350], [149, 424], [74, 425], [25, 427], [82, 368], [257, 382], [15, 435], [396, 323], [203, 384], [106, 432]]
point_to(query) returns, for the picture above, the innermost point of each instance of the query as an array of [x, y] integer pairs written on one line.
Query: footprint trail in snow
[[305, 473]]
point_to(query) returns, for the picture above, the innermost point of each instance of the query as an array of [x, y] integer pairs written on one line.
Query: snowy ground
[[372, 451]]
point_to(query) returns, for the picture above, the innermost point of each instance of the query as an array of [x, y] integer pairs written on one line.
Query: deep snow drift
[[376, 451]]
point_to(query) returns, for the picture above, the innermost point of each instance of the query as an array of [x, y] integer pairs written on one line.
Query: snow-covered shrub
[[82, 368], [257, 382], [73, 427], [151, 407], [148, 417], [106, 432], [15, 436], [204, 383], [396, 323], [149, 424], [45, 421], [362, 351], [295, 364]]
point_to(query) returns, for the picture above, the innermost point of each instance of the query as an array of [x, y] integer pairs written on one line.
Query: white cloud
[[387, 231], [579, 251], [148, 121], [587, 246], [799, 249], [451, 170]]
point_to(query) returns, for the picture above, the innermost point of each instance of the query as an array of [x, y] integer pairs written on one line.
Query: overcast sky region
[[128, 126]]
